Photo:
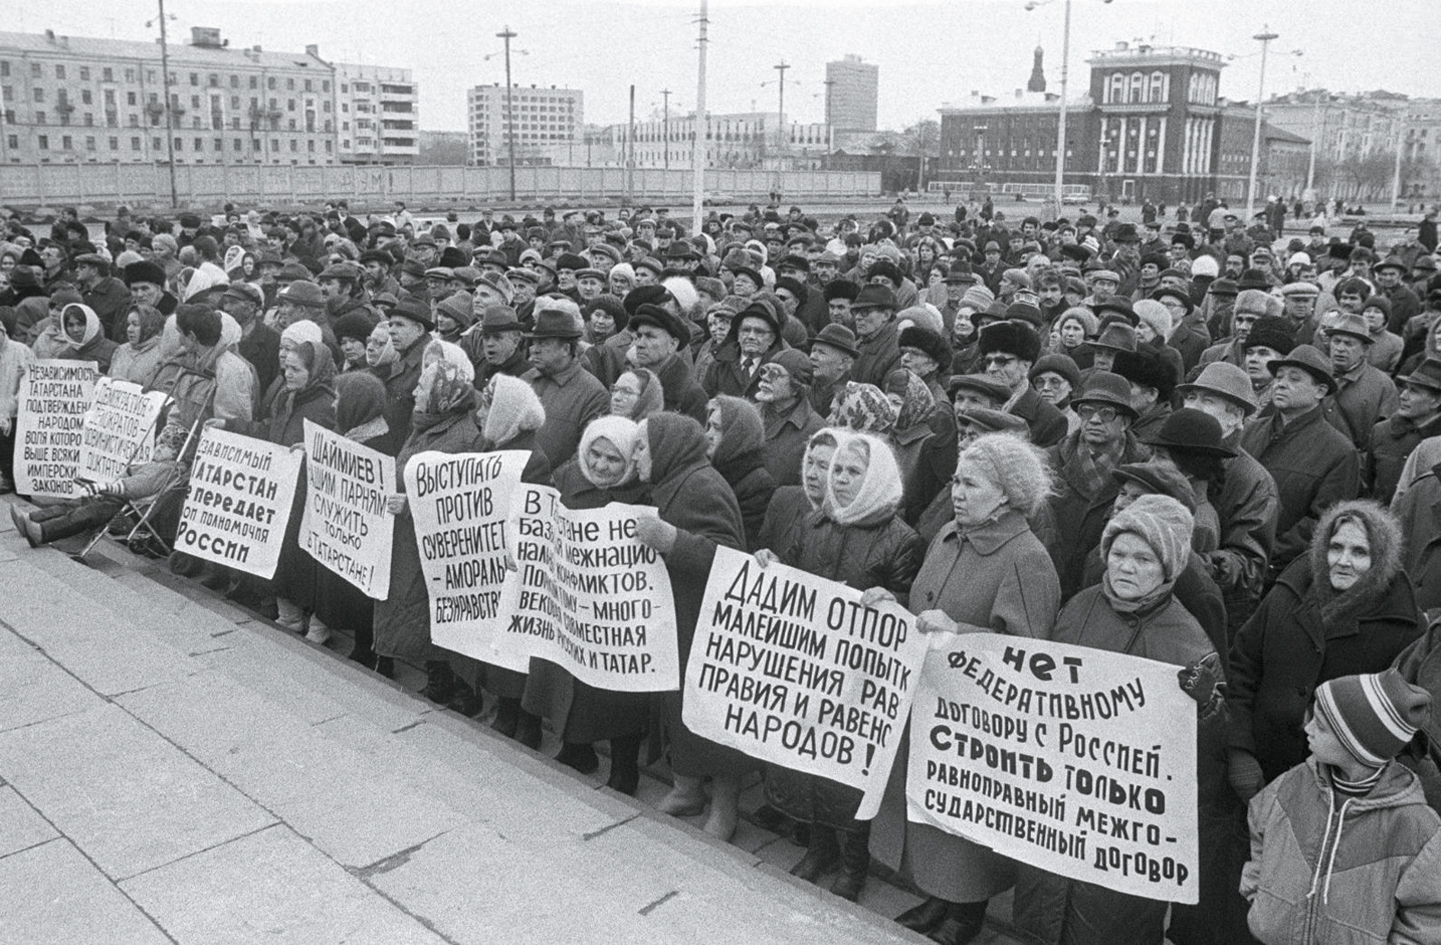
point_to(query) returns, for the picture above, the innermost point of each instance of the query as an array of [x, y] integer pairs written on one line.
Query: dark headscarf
[[359, 399], [742, 430], [676, 444]]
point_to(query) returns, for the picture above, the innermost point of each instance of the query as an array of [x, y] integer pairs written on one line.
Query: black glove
[[1203, 681]]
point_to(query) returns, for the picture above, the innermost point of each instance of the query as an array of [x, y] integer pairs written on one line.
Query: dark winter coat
[[880, 552], [1392, 441], [1079, 520], [1286, 650], [786, 438]]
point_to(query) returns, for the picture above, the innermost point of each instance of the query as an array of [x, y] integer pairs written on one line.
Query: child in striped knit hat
[[1343, 846]]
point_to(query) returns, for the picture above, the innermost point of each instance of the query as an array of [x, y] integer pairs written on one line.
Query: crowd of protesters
[[1198, 443]]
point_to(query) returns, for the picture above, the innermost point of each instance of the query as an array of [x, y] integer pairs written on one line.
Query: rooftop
[[1126, 52], [181, 53]]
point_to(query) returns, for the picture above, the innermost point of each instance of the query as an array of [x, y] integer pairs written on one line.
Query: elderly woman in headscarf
[[1133, 611], [340, 605], [914, 404], [76, 335], [696, 512], [856, 538], [984, 572], [791, 504], [509, 413], [380, 354], [305, 390], [443, 421], [14, 359], [602, 471], [139, 357], [734, 445], [637, 394]]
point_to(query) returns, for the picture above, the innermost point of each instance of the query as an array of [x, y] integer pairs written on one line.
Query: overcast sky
[[929, 53]]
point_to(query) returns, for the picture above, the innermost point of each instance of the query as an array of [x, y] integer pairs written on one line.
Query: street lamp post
[[508, 34], [1265, 36]]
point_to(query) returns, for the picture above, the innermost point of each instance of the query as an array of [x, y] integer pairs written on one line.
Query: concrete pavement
[[173, 769]]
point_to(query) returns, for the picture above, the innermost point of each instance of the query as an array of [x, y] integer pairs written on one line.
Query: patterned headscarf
[[917, 401], [446, 381], [863, 408]]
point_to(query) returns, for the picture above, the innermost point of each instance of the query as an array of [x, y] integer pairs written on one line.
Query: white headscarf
[[880, 490]]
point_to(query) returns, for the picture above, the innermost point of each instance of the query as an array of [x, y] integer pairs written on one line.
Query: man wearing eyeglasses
[[1008, 350], [1083, 463]]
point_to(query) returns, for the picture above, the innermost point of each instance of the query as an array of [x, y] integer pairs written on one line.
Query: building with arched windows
[[1150, 126]]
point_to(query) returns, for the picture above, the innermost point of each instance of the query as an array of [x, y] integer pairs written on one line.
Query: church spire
[[1038, 77]]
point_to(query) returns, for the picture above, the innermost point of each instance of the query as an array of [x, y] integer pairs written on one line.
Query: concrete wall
[[142, 184]]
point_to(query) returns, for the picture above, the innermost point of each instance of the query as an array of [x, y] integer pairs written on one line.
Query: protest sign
[[119, 429], [1079, 761], [53, 398], [241, 494], [460, 503], [346, 526], [790, 668], [586, 595]]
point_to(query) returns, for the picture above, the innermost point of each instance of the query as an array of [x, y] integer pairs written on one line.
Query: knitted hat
[[1205, 265], [796, 364], [922, 315], [977, 297], [1161, 522], [1375, 715], [460, 306], [1014, 466], [1083, 315], [1061, 364], [301, 332]]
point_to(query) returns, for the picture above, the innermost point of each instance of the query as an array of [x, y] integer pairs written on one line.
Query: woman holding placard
[[1134, 611], [601, 472], [443, 421], [508, 412], [696, 511], [857, 538], [984, 572]]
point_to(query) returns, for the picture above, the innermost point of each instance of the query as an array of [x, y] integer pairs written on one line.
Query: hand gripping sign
[[790, 668], [119, 429], [1079, 761], [587, 596]]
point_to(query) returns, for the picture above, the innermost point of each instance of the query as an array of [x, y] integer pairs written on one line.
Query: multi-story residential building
[[738, 140], [379, 114], [852, 91], [542, 118], [76, 100]]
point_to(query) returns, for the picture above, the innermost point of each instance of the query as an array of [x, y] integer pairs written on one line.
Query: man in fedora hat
[[1363, 394], [1313, 463], [1083, 463], [1247, 504], [495, 344], [874, 310], [832, 354], [1008, 350], [1417, 417], [570, 394]]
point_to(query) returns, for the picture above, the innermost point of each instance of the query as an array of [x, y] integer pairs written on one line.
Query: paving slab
[[54, 896], [350, 805], [33, 688], [126, 797], [20, 826], [274, 888]]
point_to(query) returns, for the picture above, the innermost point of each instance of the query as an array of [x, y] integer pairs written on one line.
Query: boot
[[962, 925], [578, 755], [925, 917], [439, 682], [855, 862], [724, 807], [291, 616], [527, 729], [624, 765], [363, 652], [315, 630], [385, 666], [507, 717], [822, 856], [686, 797], [466, 701]]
